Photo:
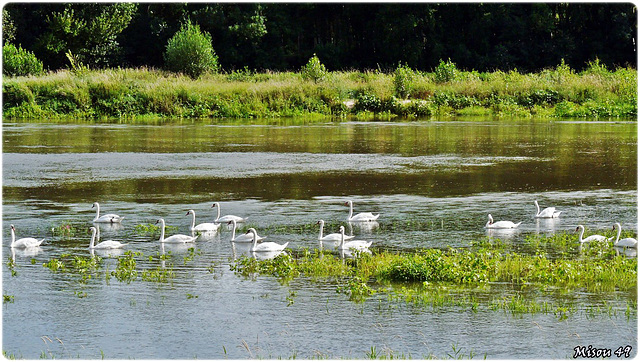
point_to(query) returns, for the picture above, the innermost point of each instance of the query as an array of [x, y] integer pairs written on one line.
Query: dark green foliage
[[402, 78], [90, 31], [19, 62], [524, 36], [190, 52]]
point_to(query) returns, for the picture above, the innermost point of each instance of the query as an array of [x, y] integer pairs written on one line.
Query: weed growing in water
[[126, 268], [6, 298]]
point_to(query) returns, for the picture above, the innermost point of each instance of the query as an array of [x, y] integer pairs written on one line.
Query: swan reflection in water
[[107, 227], [365, 227], [107, 253], [502, 233], [267, 255], [25, 253], [628, 252]]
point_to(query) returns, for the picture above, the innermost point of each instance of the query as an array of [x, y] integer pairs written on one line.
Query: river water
[[432, 182]]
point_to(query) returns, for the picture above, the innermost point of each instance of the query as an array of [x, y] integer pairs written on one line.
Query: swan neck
[[13, 237], [619, 231], [321, 227], [97, 210], [217, 211], [162, 231], [193, 220], [255, 238], [581, 233], [350, 209], [537, 207]]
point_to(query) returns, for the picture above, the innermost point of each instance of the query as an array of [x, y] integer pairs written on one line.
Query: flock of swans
[[341, 241]]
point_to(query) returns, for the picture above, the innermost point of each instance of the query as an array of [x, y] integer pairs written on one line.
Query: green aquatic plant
[[7, 298], [126, 267], [65, 229]]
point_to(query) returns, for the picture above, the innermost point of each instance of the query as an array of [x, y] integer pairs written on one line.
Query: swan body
[[590, 238], [244, 238], [360, 245], [175, 239], [24, 243], [267, 246], [501, 224], [109, 218], [547, 213], [204, 227], [363, 216], [107, 244], [333, 236], [626, 242], [226, 218]]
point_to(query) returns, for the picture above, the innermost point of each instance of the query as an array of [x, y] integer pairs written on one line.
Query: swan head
[[579, 227], [95, 204], [92, 229], [320, 222], [159, 221], [13, 228], [216, 204], [341, 229], [348, 202], [190, 212], [616, 225]]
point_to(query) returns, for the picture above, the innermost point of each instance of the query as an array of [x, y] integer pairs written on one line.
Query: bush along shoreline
[[314, 92]]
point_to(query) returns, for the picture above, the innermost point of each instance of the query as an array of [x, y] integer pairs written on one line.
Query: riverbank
[[143, 93]]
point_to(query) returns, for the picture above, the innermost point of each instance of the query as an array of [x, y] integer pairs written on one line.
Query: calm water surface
[[438, 178]]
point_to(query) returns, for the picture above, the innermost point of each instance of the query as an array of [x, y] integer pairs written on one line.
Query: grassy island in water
[[593, 93]]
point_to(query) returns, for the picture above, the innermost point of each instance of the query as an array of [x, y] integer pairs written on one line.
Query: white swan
[[360, 245], [590, 238], [333, 236], [204, 227], [107, 244], [500, 224], [244, 238], [626, 242], [110, 218], [226, 218], [175, 239], [549, 212], [363, 216], [266, 246], [23, 243]]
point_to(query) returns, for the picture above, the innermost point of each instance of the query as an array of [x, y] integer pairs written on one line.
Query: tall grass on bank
[[131, 93]]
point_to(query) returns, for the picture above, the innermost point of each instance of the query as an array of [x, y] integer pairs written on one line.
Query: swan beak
[[214, 205], [157, 221]]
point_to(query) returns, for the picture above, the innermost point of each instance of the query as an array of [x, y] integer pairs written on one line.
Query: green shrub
[[314, 70], [402, 81], [445, 71], [19, 62], [190, 52]]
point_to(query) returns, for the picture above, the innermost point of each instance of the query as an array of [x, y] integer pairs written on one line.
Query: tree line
[[284, 36]]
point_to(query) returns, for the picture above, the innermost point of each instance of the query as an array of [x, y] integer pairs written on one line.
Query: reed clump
[[132, 93]]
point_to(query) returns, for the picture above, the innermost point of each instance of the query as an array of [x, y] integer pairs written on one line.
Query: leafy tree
[[190, 51], [8, 27], [90, 31]]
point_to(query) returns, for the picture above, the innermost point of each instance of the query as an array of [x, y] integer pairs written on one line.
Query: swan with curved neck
[[244, 238], [361, 217], [500, 224], [332, 236], [174, 239], [110, 218], [226, 218], [547, 213], [107, 244], [591, 238], [203, 227], [23, 243], [360, 245], [266, 246], [626, 242]]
